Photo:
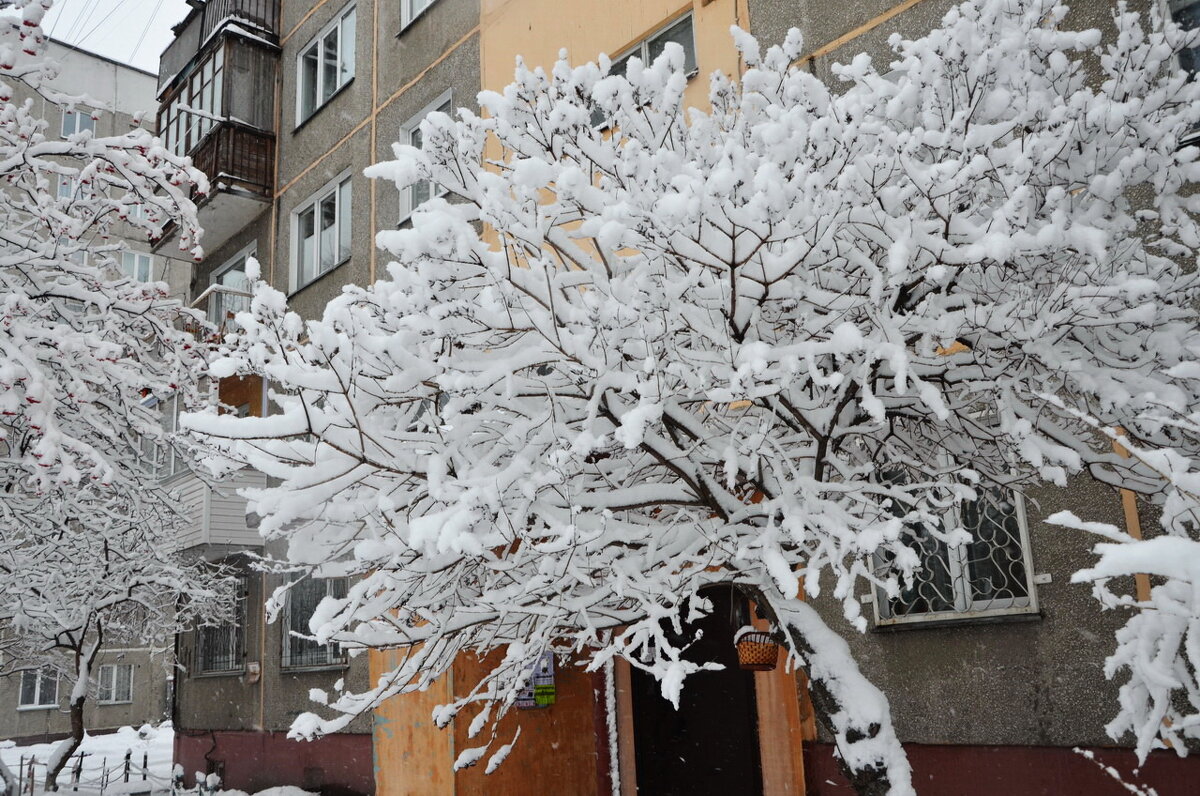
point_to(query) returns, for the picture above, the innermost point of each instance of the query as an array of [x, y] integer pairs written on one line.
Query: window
[[325, 66], [302, 601], [224, 305], [322, 232], [39, 689], [420, 192], [652, 46], [197, 107], [162, 459], [220, 648], [1186, 14], [411, 9], [115, 684], [988, 576], [138, 266], [76, 122]]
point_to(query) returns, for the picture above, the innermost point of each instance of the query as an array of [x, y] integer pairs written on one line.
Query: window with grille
[[322, 230], [39, 689], [76, 122], [114, 684], [302, 600], [221, 648], [988, 576], [325, 66], [421, 191]]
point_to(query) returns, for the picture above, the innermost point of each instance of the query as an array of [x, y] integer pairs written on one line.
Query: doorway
[[710, 744]]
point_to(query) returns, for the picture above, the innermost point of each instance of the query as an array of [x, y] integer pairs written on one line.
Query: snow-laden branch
[[761, 345]]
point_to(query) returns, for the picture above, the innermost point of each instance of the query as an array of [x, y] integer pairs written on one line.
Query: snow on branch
[[618, 364]]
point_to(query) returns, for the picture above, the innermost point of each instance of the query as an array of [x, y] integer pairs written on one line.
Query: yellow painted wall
[[538, 29]]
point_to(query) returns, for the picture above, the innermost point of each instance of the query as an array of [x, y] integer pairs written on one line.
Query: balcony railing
[[239, 157], [260, 16]]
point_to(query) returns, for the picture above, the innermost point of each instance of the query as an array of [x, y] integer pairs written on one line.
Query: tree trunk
[[828, 688], [67, 746], [8, 783]]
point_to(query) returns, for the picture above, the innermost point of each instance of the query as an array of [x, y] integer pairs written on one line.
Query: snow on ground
[[104, 761], [103, 770]]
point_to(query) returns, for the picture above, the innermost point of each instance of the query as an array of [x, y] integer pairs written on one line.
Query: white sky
[[130, 31]]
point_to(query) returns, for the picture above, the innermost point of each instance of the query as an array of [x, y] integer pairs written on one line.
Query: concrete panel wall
[[149, 703]]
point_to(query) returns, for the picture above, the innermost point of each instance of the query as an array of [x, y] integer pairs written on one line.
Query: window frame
[[237, 632], [333, 656], [317, 43], [313, 202], [241, 258], [77, 116], [408, 204], [641, 47], [42, 675], [113, 698], [408, 16], [958, 568], [203, 91], [137, 255]]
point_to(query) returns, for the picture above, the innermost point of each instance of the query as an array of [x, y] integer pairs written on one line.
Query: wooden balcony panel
[[238, 156]]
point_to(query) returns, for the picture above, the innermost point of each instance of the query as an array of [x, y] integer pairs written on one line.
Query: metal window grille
[[987, 576], [221, 648], [115, 682], [302, 600]]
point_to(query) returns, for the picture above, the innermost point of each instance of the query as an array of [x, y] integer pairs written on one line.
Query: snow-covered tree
[[644, 349], [85, 355]]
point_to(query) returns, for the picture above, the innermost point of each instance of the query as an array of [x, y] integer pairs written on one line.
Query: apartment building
[[132, 681], [992, 661]]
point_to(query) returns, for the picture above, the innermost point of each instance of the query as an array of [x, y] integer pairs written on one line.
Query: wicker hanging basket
[[757, 652]]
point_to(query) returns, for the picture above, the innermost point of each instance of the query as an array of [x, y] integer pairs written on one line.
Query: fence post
[[103, 774], [77, 773], [32, 773], [145, 766], [20, 777], [128, 755]]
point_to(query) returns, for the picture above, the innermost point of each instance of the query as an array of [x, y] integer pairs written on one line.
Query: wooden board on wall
[[412, 756], [558, 744], [558, 748]]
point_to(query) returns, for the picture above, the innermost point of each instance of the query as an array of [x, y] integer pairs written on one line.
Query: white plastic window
[[411, 9], [39, 689], [325, 65], [422, 191], [115, 684], [322, 232], [76, 122], [138, 266]]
